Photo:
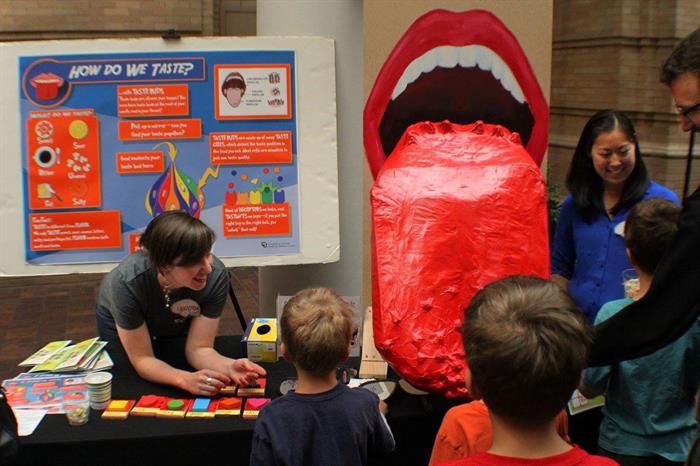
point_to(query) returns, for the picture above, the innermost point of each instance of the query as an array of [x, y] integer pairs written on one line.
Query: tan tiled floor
[[36, 310]]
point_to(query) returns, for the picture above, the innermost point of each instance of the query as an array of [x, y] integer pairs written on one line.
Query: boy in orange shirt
[[466, 430]]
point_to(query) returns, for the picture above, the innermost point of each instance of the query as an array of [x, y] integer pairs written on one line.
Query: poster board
[[100, 136]]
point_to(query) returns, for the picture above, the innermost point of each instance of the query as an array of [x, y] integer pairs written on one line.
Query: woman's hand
[[243, 372], [205, 382]]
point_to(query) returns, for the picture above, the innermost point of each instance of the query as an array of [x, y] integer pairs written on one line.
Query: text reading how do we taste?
[[131, 70]]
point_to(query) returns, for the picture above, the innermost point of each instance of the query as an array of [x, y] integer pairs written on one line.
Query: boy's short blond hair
[[317, 327], [526, 344]]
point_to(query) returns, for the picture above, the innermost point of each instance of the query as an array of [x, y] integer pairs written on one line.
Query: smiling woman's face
[[193, 276], [613, 157]]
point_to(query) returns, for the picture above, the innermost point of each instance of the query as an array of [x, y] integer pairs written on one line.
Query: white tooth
[[414, 71], [410, 74], [447, 56], [512, 86], [467, 56], [498, 68], [399, 88], [427, 62], [483, 58]]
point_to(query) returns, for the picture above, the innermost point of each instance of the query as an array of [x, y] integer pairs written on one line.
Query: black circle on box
[[263, 329]]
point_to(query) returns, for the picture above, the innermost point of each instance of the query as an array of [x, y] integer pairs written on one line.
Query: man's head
[[681, 73], [526, 344], [317, 329], [649, 229]]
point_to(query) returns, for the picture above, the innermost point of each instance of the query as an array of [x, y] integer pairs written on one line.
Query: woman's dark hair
[[177, 238], [584, 183]]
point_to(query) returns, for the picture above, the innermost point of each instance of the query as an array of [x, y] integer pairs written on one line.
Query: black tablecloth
[[157, 441]]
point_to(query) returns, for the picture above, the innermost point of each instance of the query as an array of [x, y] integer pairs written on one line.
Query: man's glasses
[[688, 112]]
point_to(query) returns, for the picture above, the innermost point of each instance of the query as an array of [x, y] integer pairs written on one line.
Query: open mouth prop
[[461, 201], [462, 67]]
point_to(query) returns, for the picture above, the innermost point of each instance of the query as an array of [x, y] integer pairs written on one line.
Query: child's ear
[[284, 352], [473, 390]]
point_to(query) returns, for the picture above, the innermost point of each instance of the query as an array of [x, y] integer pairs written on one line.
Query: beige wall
[[529, 20]]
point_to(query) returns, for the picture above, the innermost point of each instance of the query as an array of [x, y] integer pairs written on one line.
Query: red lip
[[440, 28]]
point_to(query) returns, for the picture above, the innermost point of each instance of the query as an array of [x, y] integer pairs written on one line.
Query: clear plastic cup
[[77, 411], [630, 282]]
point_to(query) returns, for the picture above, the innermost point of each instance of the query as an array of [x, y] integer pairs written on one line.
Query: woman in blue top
[[607, 177]]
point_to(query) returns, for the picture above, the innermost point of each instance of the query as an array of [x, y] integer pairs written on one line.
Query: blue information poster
[[109, 141]]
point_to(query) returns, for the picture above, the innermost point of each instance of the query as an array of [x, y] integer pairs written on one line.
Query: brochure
[[579, 403], [66, 357], [47, 392], [45, 353]]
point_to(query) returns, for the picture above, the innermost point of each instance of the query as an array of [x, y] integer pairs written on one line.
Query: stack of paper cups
[[100, 389]]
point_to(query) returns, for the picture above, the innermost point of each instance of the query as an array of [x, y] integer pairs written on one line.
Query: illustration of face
[[460, 67], [233, 96], [613, 157], [193, 276]]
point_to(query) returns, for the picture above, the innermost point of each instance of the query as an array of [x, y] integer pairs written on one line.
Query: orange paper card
[[229, 406]]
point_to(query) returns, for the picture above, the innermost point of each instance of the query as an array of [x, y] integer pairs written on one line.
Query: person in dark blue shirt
[[606, 178], [321, 422]]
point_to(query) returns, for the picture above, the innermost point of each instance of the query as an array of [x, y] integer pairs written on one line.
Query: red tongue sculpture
[[454, 208]]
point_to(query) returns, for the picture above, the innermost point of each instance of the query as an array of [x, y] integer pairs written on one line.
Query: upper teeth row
[[468, 56]]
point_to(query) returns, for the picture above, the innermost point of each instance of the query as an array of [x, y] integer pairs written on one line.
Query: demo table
[[150, 440]]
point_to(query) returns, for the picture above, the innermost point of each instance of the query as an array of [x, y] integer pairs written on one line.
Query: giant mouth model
[[459, 202], [460, 67]]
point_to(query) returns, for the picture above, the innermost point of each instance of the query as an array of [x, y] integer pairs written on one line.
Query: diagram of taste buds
[[259, 211], [63, 159], [267, 194]]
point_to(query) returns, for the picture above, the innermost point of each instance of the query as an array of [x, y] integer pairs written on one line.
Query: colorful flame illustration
[[175, 190]]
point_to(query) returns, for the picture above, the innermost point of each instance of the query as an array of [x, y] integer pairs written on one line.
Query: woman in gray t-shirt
[[173, 286]]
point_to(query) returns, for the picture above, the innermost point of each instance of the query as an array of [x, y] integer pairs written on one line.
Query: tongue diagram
[[455, 129]]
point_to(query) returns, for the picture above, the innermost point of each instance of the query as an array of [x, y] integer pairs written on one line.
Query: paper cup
[[99, 388]]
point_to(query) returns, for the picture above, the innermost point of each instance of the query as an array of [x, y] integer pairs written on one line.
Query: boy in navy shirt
[[322, 422]]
